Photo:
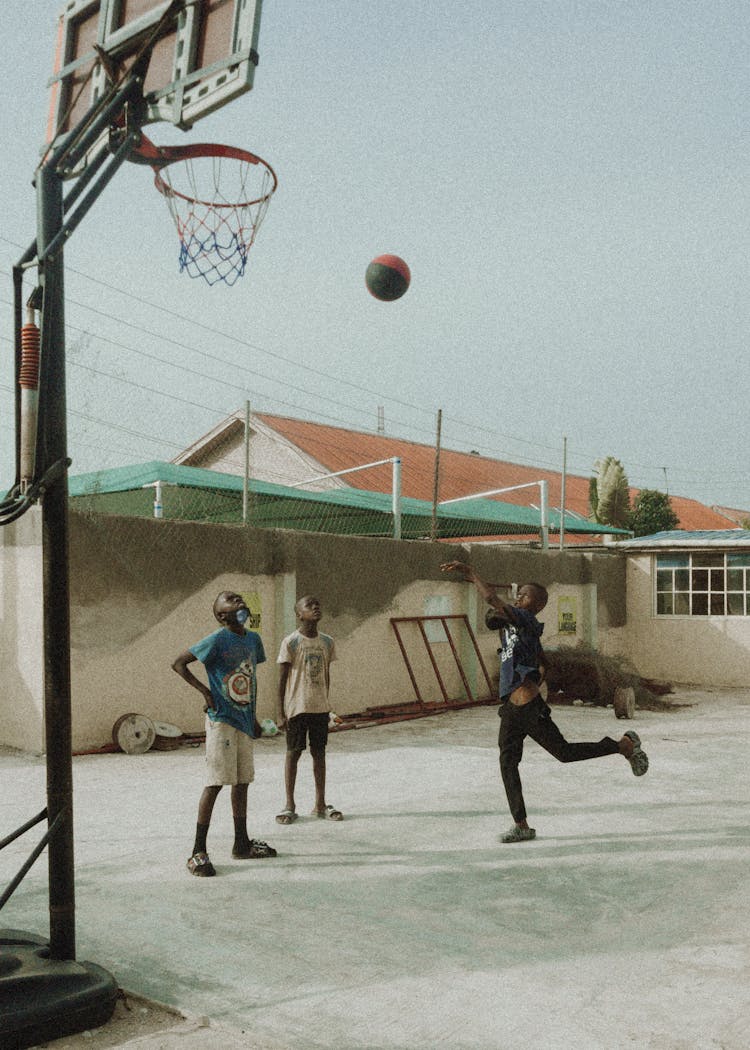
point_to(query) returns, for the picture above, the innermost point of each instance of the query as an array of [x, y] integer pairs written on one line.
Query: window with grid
[[703, 584]]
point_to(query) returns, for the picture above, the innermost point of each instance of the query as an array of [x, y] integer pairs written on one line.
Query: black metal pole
[[52, 445]]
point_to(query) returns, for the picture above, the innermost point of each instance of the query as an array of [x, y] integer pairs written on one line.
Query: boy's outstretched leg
[[543, 730]]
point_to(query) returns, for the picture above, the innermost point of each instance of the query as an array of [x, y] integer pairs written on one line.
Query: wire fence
[[176, 493]]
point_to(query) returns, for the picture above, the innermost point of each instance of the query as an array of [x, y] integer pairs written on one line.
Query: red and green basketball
[[387, 277]]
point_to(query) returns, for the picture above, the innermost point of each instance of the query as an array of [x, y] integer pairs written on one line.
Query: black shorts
[[299, 727]]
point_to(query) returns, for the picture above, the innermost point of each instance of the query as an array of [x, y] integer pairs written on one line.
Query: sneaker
[[254, 850], [639, 759], [517, 834]]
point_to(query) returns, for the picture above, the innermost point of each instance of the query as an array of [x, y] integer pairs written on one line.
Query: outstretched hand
[[485, 589], [456, 566]]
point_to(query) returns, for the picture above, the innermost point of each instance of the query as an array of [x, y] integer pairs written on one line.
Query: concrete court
[[409, 925]]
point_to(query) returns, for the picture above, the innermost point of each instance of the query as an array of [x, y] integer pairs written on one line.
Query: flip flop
[[287, 816], [329, 813], [200, 865]]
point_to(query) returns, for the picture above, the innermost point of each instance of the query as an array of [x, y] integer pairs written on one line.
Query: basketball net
[[218, 197]]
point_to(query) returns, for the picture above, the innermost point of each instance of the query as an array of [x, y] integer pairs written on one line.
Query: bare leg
[[319, 775], [199, 864], [239, 801], [206, 804], [290, 780], [239, 814]]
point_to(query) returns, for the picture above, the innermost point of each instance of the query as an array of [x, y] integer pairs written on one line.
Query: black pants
[[535, 720]]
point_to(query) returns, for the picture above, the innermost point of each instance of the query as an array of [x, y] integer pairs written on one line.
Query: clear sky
[[568, 181]]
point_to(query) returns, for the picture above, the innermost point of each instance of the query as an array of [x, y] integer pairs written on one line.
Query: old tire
[[624, 702]]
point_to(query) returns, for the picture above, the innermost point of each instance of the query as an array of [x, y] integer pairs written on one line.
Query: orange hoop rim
[[160, 157]]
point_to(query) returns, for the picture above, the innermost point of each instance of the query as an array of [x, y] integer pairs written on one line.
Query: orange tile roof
[[733, 513], [695, 516], [461, 473]]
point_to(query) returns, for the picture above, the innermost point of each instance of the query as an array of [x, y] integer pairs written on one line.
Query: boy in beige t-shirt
[[305, 658]]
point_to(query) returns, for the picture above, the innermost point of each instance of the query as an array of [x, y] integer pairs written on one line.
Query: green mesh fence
[[193, 494]]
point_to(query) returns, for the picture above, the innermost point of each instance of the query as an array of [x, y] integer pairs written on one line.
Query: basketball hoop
[[217, 197]]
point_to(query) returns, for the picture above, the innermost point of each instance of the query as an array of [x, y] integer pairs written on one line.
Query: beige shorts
[[229, 755]]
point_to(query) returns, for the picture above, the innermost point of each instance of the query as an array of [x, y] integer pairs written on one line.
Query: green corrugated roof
[[356, 510]]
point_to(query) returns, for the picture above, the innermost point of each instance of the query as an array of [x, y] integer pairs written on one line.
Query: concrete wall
[[21, 612], [713, 651], [142, 591]]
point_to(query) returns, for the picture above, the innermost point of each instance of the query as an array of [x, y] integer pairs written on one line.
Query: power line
[[489, 450], [214, 332]]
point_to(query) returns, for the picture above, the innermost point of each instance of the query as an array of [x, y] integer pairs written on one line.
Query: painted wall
[[142, 591], [711, 651]]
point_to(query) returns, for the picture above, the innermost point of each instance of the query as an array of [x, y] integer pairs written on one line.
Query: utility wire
[[489, 450]]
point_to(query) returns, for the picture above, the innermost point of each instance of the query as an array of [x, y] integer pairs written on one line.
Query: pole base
[[43, 998]]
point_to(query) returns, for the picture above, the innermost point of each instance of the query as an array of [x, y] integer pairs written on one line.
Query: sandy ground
[[409, 926]]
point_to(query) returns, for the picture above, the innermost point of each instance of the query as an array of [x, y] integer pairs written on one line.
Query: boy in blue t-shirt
[[230, 656], [522, 711]]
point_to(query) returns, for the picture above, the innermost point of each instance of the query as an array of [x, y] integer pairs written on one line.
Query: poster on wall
[[252, 601], [567, 614], [436, 605]]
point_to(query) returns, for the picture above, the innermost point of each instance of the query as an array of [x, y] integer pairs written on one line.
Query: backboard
[[204, 56]]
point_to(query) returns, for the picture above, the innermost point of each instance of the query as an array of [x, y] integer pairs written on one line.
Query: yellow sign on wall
[[252, 601], [567, 614]]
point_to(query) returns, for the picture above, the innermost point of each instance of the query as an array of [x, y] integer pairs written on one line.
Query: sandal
[[287, 816], [638, 759], [329, 813], [200, 865], [254, 850]]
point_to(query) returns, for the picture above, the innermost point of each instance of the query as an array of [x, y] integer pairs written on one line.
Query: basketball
[[387, 277]]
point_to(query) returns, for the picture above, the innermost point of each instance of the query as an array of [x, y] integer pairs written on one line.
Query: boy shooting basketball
[[230, 656], [522, 711]]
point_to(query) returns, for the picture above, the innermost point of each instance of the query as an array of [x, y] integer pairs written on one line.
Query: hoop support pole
[[52, 442], [84, 179], [77, 142], [85, 205]]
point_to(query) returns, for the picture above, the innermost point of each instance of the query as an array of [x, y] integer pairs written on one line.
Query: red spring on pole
[[29, 376]]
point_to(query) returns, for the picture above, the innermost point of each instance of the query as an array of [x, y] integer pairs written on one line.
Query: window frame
[[705, 584]]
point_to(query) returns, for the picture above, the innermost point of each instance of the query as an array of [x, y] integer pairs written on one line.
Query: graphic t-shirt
[[309, 678], [230, 660], [520, 650]]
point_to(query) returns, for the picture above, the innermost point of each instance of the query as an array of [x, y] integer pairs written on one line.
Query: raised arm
[[487, 592]]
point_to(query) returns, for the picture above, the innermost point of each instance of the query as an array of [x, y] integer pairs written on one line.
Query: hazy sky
[[568, 182]]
